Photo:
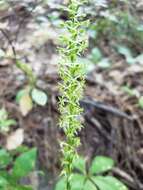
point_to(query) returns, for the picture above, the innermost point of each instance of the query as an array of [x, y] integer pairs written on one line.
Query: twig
[[127, 178], [22, 66]]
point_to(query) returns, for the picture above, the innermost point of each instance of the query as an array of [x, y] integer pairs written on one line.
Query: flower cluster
[[72, 75]]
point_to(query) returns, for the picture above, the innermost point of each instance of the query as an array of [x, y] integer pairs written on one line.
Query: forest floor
[[112, 116]]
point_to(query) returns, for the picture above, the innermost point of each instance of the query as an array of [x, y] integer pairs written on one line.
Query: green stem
[[73, 80], [22, 66], [26, 69]]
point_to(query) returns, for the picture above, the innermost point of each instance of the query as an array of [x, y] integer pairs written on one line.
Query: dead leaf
[[15, 139], [117, 76], [25, 104], [3, 25]]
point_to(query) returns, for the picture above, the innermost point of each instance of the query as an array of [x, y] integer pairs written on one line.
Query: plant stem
[[72, 74], [27, 70]]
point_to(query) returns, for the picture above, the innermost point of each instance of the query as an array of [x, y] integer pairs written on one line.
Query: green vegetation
[[12, 169], [17, 162], [100, 45], [5, 122], [72, 75], [30, 93], [92, 177], [28, 96]]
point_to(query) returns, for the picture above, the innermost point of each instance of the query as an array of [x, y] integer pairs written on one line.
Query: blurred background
[[113, 96]]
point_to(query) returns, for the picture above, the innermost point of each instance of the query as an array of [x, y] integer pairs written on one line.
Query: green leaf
[[24, 164], [20, 94], [139, 59], [101, 164], [8, 123], [123, 50], [126, 52], [118, 185], [77, 182], [130, 91], [39, 97], [89, 186], [61, 184], [5, 158], [3, 182], [7, 176], [5, 123], [104, 63], [88, 65], [20, 187], [92, 33], [109, 183], [102, 184], [140, 28], [109, 16], [79, 164], [21, 149], [96, 55]]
